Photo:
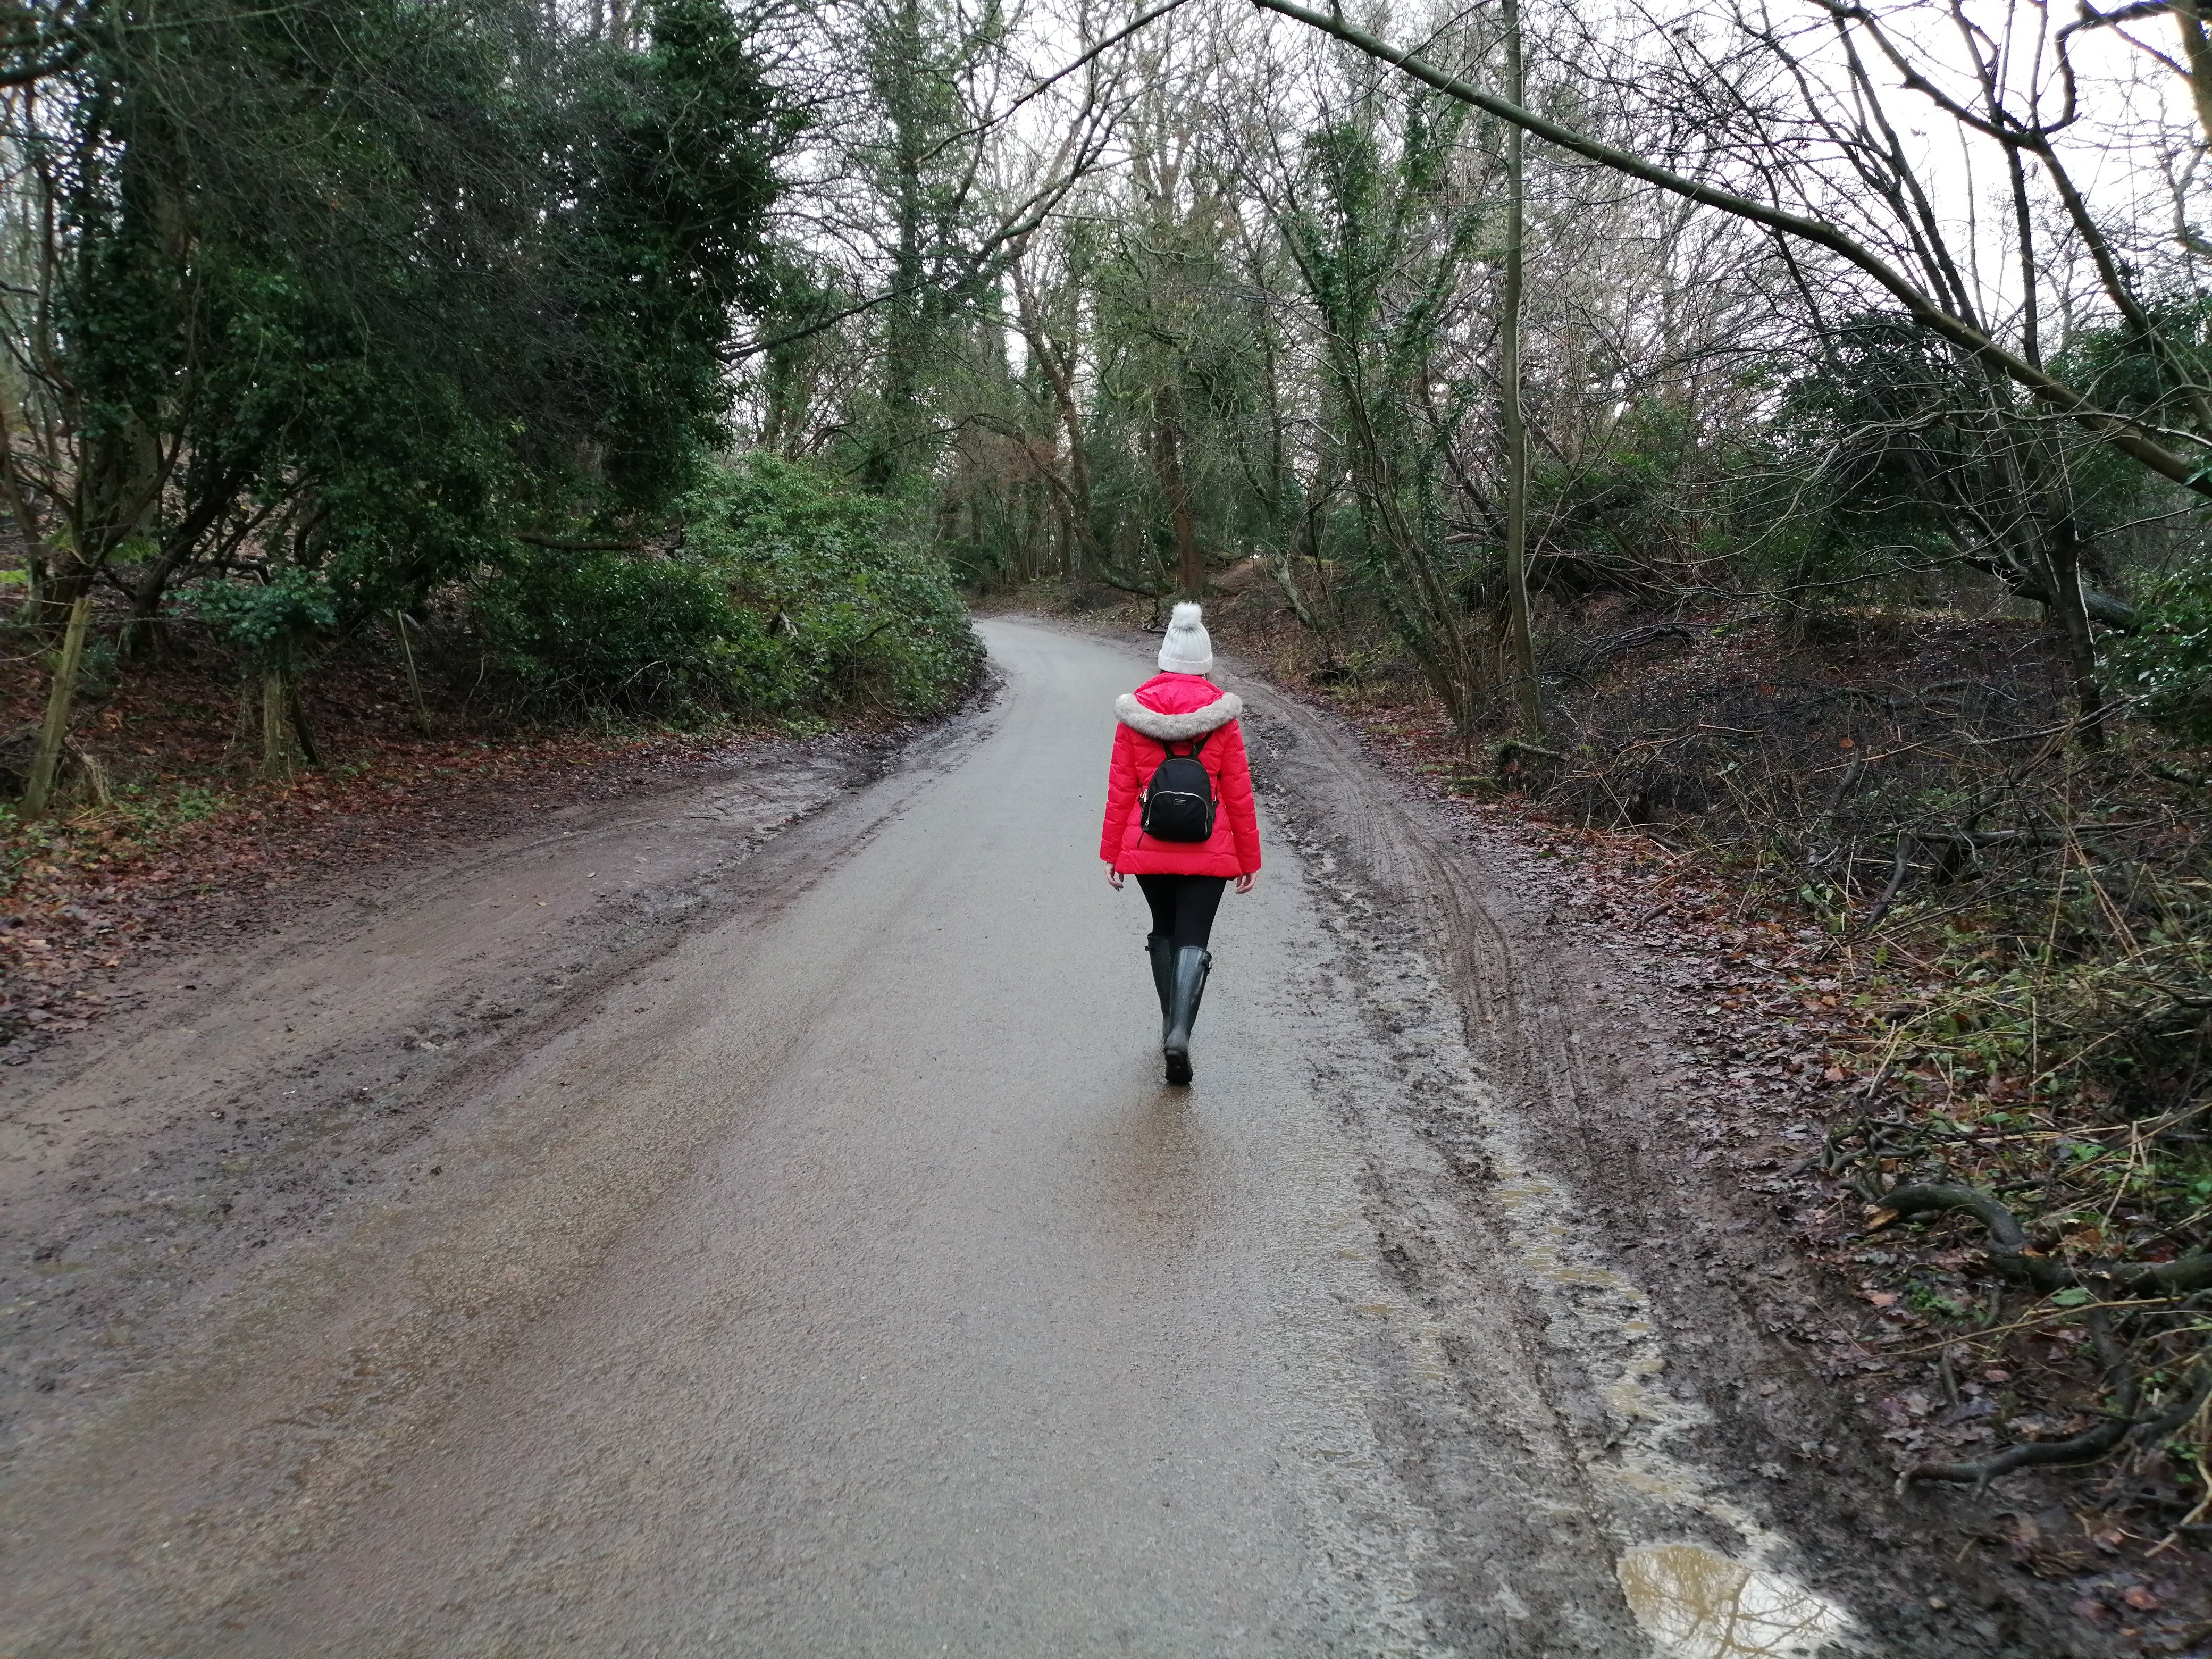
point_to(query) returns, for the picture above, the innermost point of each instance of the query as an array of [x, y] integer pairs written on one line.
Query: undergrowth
[[2040, 1102], [137, 819], [2020, 923]]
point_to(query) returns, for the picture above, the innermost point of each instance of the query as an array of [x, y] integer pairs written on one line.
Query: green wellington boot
[[1191, 964]]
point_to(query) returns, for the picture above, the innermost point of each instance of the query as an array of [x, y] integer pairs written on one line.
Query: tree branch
[[2118, 430]]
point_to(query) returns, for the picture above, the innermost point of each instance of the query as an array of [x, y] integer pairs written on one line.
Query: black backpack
[[1179, 800]]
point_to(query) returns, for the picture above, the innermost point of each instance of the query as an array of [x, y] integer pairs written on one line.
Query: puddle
[[1695, 1603], [1652, 1483]]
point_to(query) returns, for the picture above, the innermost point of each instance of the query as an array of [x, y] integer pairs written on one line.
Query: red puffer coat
[[1180, 709]]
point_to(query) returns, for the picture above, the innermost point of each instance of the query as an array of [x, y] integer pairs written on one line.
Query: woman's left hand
[[1114, 877], [1245, 881]]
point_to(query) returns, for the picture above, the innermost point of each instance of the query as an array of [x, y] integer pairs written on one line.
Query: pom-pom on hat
[[1187, 650]]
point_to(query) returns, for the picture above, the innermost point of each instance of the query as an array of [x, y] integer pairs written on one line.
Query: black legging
[[1183, 906]]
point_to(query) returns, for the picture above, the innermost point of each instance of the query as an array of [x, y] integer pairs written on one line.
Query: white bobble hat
[[1187, 650]]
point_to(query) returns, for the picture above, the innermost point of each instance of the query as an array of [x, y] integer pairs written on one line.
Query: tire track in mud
[[1497, 1249]]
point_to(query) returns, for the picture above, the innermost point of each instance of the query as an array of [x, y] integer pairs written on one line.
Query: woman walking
[[1179, 819]]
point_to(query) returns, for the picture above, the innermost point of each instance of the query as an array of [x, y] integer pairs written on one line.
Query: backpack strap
[[1196, 743]]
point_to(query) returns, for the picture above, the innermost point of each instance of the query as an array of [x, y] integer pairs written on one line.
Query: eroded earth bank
[[750, 1221]]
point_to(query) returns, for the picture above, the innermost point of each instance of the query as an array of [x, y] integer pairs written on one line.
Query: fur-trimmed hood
[[1178, 727]]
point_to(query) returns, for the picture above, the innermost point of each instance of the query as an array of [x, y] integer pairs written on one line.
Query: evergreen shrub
[[2166, 662], [784, 595]]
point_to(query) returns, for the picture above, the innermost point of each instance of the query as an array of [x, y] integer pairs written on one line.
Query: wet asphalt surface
[[802, 1256]]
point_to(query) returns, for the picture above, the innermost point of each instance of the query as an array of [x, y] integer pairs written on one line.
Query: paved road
[[843, 1282], [966, 1336]]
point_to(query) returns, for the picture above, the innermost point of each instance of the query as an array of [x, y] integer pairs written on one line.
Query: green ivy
[[266, 619]]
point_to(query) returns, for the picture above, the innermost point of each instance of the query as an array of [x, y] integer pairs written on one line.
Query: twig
[[2015, 1256], [2055, 1312], [1905, 845], [2084, 1448]]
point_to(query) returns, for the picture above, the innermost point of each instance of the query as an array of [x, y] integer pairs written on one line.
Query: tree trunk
[[1427, 615], [303, 732], [53, 732], [1077, 510], [2196, 48], [56, 584], [1527, 695], [141, 629], [1166, 410], [275, 753], [2047, 547], [900, 71], [1037, 529], [2064, 551], [413, 675]]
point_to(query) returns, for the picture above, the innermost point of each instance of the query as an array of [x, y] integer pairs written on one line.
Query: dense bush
[[784, 595], [2167, 661], [570, 630], [862, 616]]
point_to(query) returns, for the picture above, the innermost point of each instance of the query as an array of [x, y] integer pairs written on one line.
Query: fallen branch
[[1587, 662], [2091, 1444], [1513, 754], [570, 544], [1969, 842], [1101, 572], [2015, 1256], [2084, 1448]]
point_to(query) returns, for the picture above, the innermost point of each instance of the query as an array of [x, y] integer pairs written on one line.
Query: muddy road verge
[[304, 1062]]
